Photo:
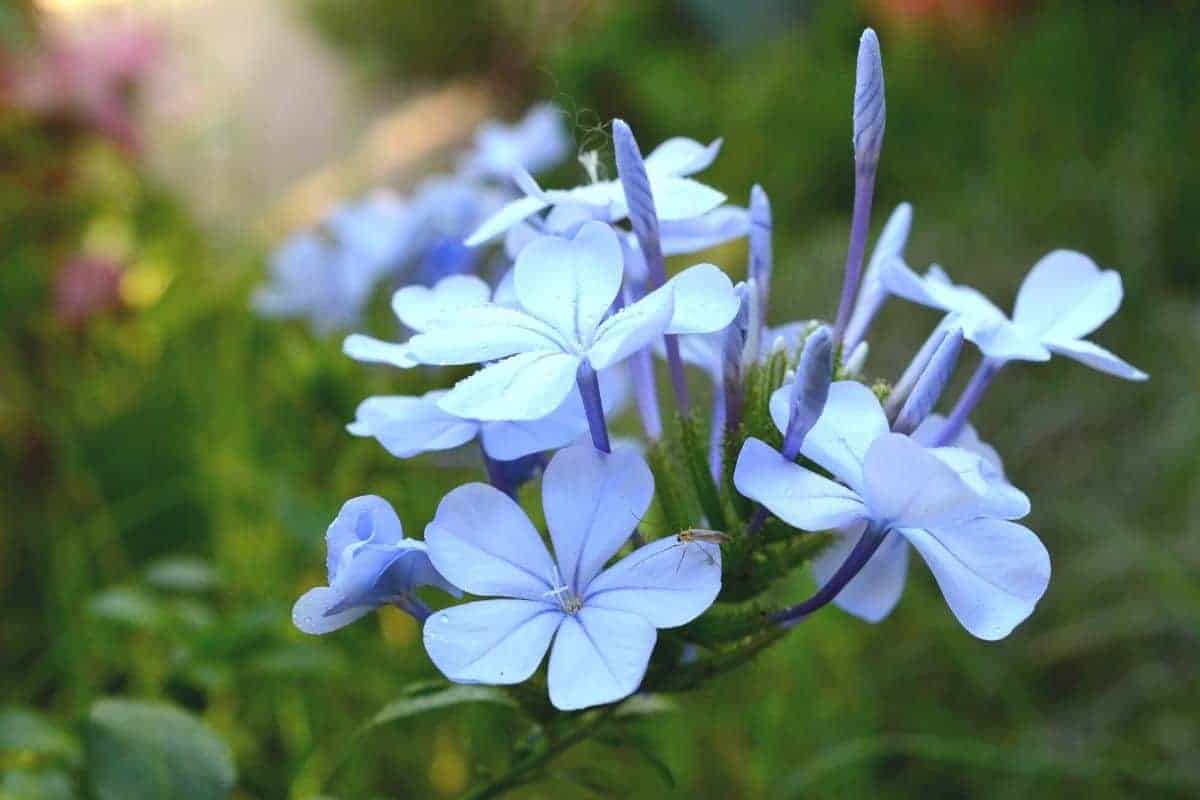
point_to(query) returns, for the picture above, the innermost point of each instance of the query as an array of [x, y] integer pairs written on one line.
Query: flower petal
[[632, 328], [482, 542], [485, 333], [522, 387], [376, 351], [513, 213], [1001, 498], [420, 307], [851, 421], [1067, 296], [682, 156], [309, 612], [991, 572], [668, 582], [491, 641], [801, 498], [599, 656], [1096, 357], [723, 224], [682, 198], [571, 283], [1000, 339], [593, 501], [907, 486], [368, 518], [409, 426], [704, 302], [874, 591]]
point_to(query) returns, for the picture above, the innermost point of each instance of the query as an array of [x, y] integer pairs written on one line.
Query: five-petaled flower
[[895, 492], [603, 622], [564, 289]]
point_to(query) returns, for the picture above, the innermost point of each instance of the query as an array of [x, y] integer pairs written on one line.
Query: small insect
[[691, 536]]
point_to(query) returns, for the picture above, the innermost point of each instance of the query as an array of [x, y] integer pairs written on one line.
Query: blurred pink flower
[[89, 79], [85, 286]]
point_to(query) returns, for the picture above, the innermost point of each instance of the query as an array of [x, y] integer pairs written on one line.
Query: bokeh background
[[170, 460]]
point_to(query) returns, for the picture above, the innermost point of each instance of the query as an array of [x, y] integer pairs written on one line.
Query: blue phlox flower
[[676, 196], [1062, 299], [536, 142], [891, 492], [602, 622], [370, 564], [565, 289], [409, 426], [373, 234]]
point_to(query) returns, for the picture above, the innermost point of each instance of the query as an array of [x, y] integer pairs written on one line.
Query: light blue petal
[[704, 301], [632, 328], [526, 386], [599, 656], [409, 426], [1096, 357], [1001, 498], [968, 439], [368, 518], [681, 156], [718, 226], [420, 307], [1066, 296], [593, 501], [991, 572], [309, 612], [491, 641], [682, 198], [801, 498], [1004, 341], [851, 421], [476, 335], [668, 582], [512, 214], [873, 592], [905, 485], [571, 283], [370, 350], [482, 542]]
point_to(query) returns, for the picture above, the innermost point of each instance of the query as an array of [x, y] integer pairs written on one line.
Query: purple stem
[[496, 474], [904, 385], [970, 398], [864, 191], [645, 386], [413, 605], [589, 390], [871, 539]]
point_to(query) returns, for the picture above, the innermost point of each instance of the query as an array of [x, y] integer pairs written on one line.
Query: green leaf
[[48, 785], [642, 747], [695, 450], [444, 698], [24, 732], [151, 751], [126, 605], [182, 574]]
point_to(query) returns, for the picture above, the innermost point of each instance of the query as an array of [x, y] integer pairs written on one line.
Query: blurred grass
[[187, 427]]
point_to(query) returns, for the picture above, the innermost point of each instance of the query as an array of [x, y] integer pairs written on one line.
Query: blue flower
[[370, 564], [603, 622], [565, 289], [676, 196], [1063, 298], [894, 492], [537, 142]]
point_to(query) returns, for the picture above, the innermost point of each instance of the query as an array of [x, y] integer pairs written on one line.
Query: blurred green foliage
[[169, 468]]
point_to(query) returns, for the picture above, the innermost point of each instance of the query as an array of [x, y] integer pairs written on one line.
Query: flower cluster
[[662, 551]]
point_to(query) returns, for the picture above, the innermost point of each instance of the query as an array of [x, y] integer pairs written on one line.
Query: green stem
[[519, 773]]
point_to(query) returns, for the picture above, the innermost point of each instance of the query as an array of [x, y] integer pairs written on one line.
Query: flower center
[[567, 599]]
